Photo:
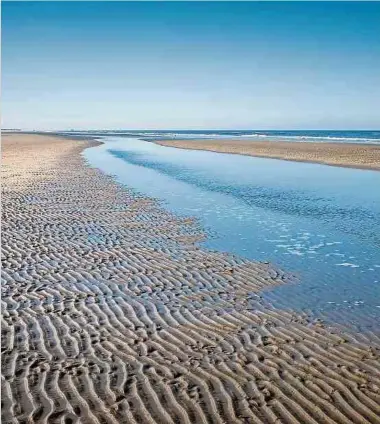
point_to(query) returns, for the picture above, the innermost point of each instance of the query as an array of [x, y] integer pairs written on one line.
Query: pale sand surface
[[111, 314], [336, 154]]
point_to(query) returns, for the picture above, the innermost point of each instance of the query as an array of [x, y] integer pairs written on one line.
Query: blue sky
[[191, 65]]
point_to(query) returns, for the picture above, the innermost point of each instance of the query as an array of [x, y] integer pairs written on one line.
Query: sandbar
[[363, 156]]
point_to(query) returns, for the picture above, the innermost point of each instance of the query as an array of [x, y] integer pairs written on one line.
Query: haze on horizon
[[191, 65]]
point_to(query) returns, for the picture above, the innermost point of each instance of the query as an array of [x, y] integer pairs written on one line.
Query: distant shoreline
[[351, 155]]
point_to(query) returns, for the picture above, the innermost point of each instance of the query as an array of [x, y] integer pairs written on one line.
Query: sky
[[191, 65]]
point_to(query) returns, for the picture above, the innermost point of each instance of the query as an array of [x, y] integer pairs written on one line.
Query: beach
[[335, 154], [113, 313]]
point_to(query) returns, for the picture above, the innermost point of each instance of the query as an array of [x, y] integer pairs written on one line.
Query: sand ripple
[[112, 314]]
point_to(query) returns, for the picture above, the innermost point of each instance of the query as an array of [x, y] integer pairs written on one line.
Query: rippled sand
[[336, 154], [111, 314]]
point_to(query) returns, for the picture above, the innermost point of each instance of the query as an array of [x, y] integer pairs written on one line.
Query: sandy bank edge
[[347, 155]]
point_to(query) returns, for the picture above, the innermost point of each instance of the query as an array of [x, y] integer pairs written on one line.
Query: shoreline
[[347, 155], [114, 314]]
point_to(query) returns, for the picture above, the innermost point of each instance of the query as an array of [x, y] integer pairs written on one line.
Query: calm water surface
[[320, 222]]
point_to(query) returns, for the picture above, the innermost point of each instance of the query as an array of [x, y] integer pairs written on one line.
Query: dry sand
[[111, 314], [336, 154]]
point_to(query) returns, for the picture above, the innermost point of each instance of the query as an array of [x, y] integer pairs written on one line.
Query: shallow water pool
[[321, 223]]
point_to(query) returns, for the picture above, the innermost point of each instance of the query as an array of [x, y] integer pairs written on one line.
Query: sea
[[317, 222], [322, 136]]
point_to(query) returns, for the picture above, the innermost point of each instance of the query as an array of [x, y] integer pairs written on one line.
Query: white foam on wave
[[348, 264], [314, 138]]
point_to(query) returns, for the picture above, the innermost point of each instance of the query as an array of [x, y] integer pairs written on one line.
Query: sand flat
[[336, 154], [112, 314]]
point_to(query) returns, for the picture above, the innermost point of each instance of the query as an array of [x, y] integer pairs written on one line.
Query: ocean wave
[[313, 138], [369, 137]]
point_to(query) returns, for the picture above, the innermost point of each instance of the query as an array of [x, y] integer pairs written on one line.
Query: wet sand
[[335, 154], [112, 314]]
